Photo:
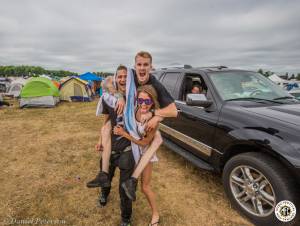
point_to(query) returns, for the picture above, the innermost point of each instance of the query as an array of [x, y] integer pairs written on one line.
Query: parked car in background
[[295, 93], [243, 126]]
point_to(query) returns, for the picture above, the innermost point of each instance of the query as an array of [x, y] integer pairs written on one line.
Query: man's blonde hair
[[144, 54]]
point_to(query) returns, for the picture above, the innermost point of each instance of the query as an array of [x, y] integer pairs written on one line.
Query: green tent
[[39, 87], [39, 92]]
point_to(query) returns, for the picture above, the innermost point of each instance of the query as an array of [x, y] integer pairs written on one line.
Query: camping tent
[[62, 80], [39, 92], [90, 77], [4, 84], [94, 81], [279, 81], [56, 83], [16, 87], [75, 89]]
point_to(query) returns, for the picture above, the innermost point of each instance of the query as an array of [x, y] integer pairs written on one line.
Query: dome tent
[[16, 87], [75, 89], [90, 77], [39, 92]]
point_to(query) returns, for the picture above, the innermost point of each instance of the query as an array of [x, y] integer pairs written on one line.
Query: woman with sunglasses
[[147, 102]]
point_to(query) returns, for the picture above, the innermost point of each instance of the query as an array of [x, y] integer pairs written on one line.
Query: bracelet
[[153, 112], [118, 95]]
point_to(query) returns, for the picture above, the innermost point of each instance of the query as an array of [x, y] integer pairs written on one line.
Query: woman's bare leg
[[157, 141], [106, 143], [146, 189]]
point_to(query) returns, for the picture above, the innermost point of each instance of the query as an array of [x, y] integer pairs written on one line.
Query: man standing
[[121, 153], [143, 66]]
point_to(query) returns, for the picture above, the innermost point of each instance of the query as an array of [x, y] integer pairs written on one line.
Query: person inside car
[[197, 88]]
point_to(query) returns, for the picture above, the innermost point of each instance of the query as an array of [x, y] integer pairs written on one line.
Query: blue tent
[[290, 86], [90, 77]]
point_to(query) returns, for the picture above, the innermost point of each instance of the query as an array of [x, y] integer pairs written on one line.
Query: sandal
[[154, 224]]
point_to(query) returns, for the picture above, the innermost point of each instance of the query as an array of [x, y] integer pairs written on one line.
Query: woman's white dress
[[141, 132]]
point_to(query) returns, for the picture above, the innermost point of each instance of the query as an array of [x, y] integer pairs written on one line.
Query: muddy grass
[[47, 156]]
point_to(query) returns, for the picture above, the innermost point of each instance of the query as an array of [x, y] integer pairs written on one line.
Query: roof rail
[[213, 67], [181, 66]]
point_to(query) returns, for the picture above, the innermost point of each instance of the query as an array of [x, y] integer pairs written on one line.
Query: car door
[[194, 127]]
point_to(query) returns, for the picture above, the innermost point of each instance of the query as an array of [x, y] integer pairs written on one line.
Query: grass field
[[47, 156]]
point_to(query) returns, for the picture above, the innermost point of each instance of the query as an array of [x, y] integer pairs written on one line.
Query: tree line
[[27, 71], [286, 76], [103, 74]]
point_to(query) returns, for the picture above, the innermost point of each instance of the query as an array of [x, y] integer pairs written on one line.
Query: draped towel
[[129, 113]]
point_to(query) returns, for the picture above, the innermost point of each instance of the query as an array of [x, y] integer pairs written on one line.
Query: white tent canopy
[[279, 81], [16, 87]]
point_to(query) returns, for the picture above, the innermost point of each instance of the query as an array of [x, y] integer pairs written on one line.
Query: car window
[[169, 81], [193, 84], [241, 84], [156, 74]]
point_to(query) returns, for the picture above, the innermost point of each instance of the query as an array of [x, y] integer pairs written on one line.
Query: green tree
[[24, 70], [261, 71], [292, 77]]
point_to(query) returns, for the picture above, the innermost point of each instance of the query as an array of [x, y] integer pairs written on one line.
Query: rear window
[[169, 80], [156, 74]]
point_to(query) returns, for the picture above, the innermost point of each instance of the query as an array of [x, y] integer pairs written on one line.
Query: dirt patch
[[47, 157]]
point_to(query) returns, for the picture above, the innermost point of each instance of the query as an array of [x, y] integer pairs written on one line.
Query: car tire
[[266, 181]]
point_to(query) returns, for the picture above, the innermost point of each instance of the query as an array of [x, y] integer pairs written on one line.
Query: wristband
[[153, 112], [118, 95]]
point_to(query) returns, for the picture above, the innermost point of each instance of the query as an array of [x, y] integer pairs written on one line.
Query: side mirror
[[198, 100]]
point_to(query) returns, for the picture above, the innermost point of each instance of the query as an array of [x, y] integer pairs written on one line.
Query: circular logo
[[285, 211]]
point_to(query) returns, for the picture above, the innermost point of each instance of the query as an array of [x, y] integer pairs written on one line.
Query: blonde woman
[[147, 102]]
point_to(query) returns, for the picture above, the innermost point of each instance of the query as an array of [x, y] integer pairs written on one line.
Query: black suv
[[243, 126]]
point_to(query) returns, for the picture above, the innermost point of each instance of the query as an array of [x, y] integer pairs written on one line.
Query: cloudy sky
[[97, 35]]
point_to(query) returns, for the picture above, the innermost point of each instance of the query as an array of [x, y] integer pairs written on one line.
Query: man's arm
[[118, 130], [166, 101], [160, 114], [166, 112]]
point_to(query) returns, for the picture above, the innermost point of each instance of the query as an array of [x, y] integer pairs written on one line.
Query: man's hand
[[99, 147], [153, 123], [119, 130], [120, 106]]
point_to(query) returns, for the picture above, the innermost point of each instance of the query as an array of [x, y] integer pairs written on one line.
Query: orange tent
[[57, 84]]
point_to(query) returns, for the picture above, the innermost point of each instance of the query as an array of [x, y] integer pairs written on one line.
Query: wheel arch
[[237, 149]]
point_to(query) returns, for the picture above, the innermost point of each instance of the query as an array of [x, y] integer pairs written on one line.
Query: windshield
[[242, 85]]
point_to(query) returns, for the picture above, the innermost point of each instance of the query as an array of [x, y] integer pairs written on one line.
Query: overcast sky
[[97, 35]]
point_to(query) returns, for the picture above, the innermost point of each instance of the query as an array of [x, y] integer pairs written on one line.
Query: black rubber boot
[[129, 187], [101, 180], [102, 201], [125, 223]]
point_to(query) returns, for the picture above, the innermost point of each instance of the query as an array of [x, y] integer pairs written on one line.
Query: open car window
[[190, 82]]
